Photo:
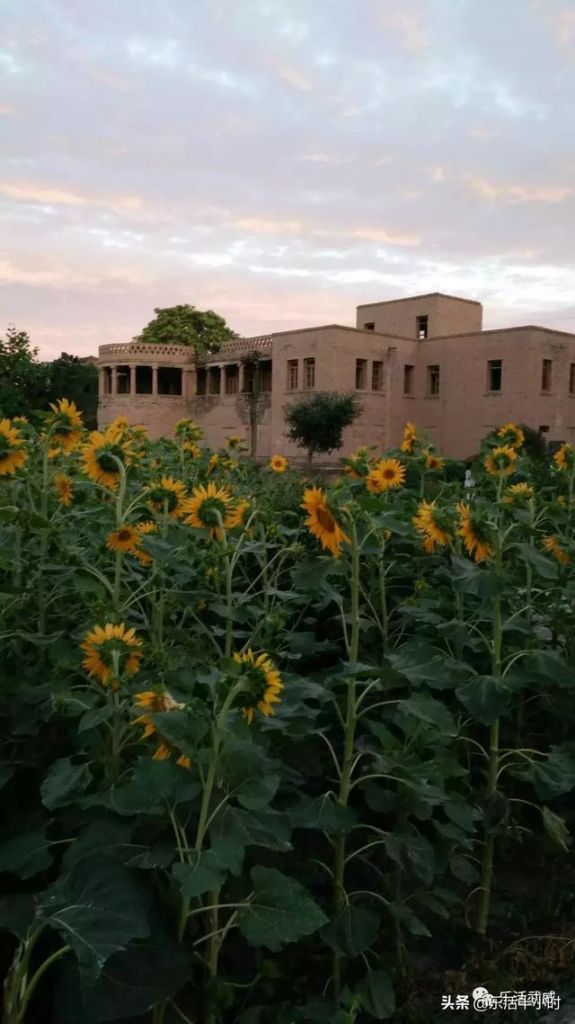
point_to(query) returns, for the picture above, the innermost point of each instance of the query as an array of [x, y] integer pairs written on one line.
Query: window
[[309, 373], [422, 326], [494, 374], [369, 327], [546, 368], [408, 372], [201, 377], [169, 380], [266, 375], [572, 379], [544, 429], [232, 375], [107, 380], [292, 367], [214, 380], [361, 374], [249, 374], [377, 375], [144, 380], [433, 380], [123, 380]]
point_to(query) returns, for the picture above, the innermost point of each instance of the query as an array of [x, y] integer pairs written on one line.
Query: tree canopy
[[204, 331], [317, 421]]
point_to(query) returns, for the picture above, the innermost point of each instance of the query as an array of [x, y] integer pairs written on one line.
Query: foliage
[[78, 380], [22, 378], [205, 331], [316, 422], [262, 762]]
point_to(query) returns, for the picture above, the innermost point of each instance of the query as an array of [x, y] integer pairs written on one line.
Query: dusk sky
[[282, 161]]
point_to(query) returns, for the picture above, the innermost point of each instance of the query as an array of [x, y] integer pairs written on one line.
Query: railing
[[238, 347], [234, 349], [134, 348]]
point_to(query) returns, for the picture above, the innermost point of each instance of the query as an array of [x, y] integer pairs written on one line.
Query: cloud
[[519, 193]]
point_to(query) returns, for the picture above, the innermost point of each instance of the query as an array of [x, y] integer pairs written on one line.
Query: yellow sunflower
[[240, 514], [263, 684], [143, 529], [474, 534], [99, 457], [278, 463], [167, 493], [235, 441], [125, 538], [321, 522], [210, 508], [188, 430], [213, 462], [434, 462], [432, 526], [409, 438], [511, 435], [501, 461], [517, 492], [387, 473], [64, 489], [12, 453], [111, 651], [65, 423], [152, 703], [564, 458], [554, 548], [192, 449]]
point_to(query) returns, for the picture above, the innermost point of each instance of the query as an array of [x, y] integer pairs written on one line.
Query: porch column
[[132, 380], [154, 380], [114, 380]]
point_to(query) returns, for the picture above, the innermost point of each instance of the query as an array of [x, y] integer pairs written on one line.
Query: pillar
[[241, 378], [154, 380], [101, 382], [132, 380], [114, 380]]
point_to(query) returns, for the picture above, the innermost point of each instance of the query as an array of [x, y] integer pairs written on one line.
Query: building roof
[[427, 295]]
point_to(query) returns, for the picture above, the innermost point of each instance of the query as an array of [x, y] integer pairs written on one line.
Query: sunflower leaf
[[280, 910]]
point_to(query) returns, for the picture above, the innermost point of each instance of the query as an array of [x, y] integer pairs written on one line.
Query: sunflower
[[433, 461], [192, 449], [409, 438], [99, 456], [554, 548], [432, 526], [564, 458], [387, 473], [235, 441], [473, 532], [210, 508], [65, 423], [511, 435], [64, 490], [143, 529], [240, 514], [278, 463], [12, 454], [152, 703], [169, 494], [321, 522], [213, 462], [501, 461], [110, 651], [188, 430], [517, 493], [125, 538], [263, 684]]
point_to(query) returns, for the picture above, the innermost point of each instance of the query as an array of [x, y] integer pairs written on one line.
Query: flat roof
[[427, 295]]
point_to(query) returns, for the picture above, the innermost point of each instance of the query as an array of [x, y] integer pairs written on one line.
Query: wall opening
[[292, 368], [144, 379], [572, 379], [370, 326], [433, 380], [377, 375], [107, 380], [309, 373], [214, 380], [360, 374], [201, 377], [249, 373], [494, 374], [266, 375], [546, 374], [422, 327], [123, 380], [232, 374], [169, 380], [408, 372]]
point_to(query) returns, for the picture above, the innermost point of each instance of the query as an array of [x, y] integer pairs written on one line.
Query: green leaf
[[324, 813], [463, 869], [202, 875], [8, 513], [26, 854], [17, 913], [6, 773], [427, 709], [64, 783], [183, 729], [542, 668], [421, 662], [402, 912], [353, 930], [553, 777], [257, 793], [97, 908], [556, 829], [280, 910], [94, 717], [420, 856], [485, 697], [377, 995], [154, 787], [544, 566]]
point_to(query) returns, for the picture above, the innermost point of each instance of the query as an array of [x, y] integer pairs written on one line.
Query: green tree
[[317, 421], [73, 378], [205, 331], [23, 385]]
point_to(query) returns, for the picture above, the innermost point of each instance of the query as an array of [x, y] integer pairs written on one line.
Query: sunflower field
[[275, 749]]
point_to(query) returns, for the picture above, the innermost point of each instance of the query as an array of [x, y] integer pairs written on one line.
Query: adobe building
[[424, 359]]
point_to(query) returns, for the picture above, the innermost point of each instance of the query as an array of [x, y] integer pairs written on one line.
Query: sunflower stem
[[339, 894]]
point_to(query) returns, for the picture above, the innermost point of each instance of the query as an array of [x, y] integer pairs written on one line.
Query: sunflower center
[[211, 511], [107, 462], [124, 535], [325, 519], [388, 474]]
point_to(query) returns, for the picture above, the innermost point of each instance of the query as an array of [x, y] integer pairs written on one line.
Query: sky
[[282, 161]]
